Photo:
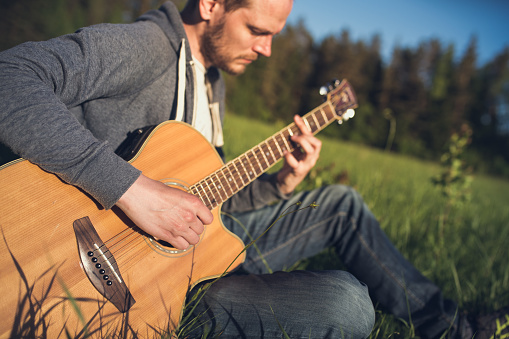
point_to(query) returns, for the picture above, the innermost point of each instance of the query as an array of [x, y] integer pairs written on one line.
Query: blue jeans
[[253, 303]]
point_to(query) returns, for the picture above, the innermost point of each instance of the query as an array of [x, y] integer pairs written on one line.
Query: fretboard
[[239, 172]]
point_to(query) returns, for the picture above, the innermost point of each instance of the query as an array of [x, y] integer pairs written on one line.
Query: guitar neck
[[239, 172]]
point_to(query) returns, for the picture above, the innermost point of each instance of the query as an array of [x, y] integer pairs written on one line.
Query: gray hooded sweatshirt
[[68, 103]]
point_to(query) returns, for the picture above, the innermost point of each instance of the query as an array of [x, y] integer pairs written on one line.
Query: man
[[68, 103]]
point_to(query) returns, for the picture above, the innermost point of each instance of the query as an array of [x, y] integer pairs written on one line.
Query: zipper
[[195, 94]]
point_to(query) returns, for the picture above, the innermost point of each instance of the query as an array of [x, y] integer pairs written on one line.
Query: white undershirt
[[203, 121]]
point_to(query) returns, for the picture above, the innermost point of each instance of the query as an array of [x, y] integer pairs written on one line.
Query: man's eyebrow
[[258, 30]]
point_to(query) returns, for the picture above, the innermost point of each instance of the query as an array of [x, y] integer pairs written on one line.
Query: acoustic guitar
[[70, 268]]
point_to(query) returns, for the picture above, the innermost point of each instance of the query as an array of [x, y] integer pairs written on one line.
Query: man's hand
[[298, 163], [164, 212]]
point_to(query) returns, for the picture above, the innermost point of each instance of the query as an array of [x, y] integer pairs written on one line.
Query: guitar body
[[44, 286]]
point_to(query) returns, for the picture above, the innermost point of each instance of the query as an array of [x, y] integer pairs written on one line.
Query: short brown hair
[[229, 5], [233, 5]]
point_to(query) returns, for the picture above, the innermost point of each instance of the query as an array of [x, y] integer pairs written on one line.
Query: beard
[[216, 51]]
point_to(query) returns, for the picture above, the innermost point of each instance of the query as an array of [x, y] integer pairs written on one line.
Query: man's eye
[[258, 32]]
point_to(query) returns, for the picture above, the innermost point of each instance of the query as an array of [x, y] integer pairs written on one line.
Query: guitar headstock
[[341, 96]]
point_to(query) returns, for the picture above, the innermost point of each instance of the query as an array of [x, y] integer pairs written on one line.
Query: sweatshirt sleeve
[[40, 82], [261, 192]]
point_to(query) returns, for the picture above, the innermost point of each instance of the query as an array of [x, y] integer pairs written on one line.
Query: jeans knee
[[353, 315], [342, 194]]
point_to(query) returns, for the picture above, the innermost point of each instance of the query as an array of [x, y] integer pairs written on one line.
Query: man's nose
[[264, 46]]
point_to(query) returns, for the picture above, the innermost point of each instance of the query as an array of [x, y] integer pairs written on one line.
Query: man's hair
[[233, 5], [229, 5]]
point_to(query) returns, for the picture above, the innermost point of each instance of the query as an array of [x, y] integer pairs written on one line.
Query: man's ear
[[207, 8]]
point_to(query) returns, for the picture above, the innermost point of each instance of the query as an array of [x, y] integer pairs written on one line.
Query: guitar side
[[42, 275]]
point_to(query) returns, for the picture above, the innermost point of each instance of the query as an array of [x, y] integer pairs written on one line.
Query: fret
[[288, 147], [277, 145], [306, 122], [258, 161], [224, 183], [251, 174], [249, 161], [244, 182], [317, 124], [330, 112], [214, 200], [262, 152], [324, 116], [194, 191], [227, 179], [205, 193], [269, 152], [238, 173], [232, 179], [219, 188]]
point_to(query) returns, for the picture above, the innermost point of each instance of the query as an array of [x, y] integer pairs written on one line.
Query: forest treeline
[[410, 104]]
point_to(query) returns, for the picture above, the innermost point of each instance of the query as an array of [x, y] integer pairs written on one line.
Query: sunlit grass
[[466, 254]]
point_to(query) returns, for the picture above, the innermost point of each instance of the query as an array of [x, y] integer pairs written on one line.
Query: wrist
[[282, 185]]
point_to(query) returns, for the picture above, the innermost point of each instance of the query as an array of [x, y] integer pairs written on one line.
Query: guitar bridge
[[100, 266]]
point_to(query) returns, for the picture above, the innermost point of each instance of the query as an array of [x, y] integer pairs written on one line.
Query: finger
[[291, 160], [304, 129], [308, 144], [191, 237], [203, 213], [302, 144], [197, 228], [205, 216], [183, 240], [179, 243]]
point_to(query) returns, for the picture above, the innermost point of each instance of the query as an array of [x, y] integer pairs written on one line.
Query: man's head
[[229, 5], [233, 33]]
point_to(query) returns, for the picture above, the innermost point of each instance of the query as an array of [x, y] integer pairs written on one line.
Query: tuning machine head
[[349, 114], [326, 89]]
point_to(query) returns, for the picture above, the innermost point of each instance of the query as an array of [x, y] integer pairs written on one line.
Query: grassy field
[[464, 249]]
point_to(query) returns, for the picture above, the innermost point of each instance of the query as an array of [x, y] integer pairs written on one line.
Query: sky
[[406, 23]]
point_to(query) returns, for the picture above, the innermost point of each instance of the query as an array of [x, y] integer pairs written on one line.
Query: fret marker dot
[[250, 172]]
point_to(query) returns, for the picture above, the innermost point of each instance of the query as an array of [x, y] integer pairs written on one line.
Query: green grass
[[464, 250]]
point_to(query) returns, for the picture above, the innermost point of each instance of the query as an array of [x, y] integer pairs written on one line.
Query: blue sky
[[408, 22]]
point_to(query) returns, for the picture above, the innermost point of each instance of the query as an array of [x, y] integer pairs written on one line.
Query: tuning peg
[[324, 90], [349, 114]]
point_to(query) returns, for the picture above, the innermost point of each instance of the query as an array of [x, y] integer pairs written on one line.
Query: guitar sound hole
[[166, 244], [165, 248]]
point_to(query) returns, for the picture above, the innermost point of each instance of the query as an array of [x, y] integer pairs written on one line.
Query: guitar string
[[315, 125], [251, 154], [123, 240]]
